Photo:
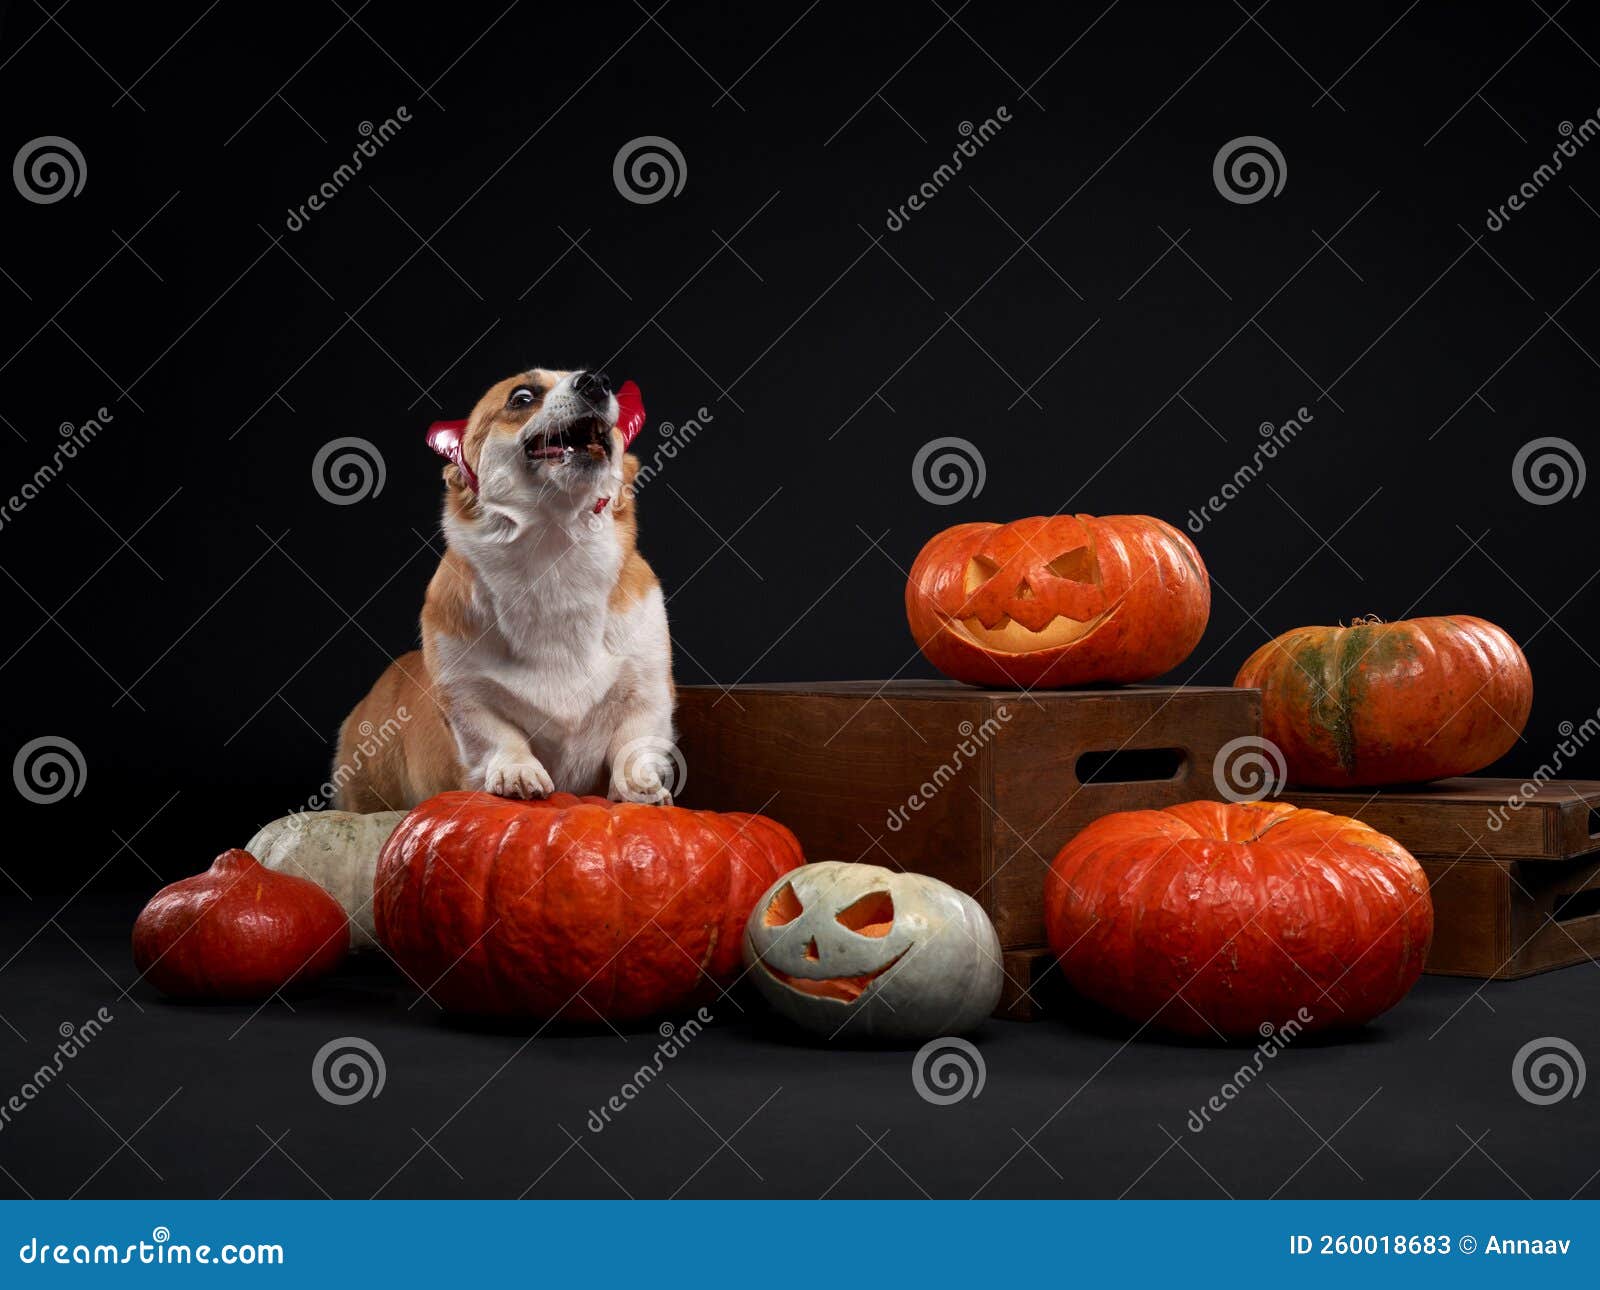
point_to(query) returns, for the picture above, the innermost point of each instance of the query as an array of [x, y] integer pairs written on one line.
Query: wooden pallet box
[[980, 788], [1515, 878]]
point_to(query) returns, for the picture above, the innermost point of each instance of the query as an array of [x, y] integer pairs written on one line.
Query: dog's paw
[[643, 781], [523, 779]]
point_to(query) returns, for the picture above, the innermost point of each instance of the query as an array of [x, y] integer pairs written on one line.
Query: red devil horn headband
[[447, 438]]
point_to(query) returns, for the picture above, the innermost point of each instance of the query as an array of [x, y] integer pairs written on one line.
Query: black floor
[[220, 1101]]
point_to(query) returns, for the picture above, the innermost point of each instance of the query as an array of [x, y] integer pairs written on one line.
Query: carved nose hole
[[811, 949]]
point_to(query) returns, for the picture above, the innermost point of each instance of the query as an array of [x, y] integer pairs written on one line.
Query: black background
[[185, 608]]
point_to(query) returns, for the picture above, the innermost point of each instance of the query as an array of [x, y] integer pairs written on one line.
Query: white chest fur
[[550, 657]]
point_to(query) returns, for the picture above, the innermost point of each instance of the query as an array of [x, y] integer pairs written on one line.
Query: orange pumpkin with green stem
[[1058, 600], [1391, 703]]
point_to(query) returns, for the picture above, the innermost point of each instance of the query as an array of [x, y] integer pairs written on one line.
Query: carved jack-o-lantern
[[1058, 600], [856, 951]]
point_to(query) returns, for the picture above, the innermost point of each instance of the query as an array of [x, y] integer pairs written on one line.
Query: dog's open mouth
[[586, 438]]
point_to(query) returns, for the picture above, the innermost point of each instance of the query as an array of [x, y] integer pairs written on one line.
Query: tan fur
[[417, 763]]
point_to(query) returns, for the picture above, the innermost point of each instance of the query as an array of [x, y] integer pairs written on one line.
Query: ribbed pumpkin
[[1391, 703], [1058, 600], [570, 907], [238, 931], [1228, 919]]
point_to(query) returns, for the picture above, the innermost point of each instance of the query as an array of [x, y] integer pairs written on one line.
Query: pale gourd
[[337, 850], [854, 951]]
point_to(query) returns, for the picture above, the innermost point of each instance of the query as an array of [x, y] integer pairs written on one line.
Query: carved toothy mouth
[[841, 989], [1012, 637]]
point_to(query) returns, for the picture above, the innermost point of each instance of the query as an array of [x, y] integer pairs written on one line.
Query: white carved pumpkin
[[337, 850], [857, 951]]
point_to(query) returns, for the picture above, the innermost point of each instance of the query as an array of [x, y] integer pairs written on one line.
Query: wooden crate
[[980, 788], [1509, 901]]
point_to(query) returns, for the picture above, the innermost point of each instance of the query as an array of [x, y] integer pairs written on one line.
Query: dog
[[545, 658]]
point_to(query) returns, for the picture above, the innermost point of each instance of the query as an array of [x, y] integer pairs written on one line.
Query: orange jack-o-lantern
[[1058, 600]]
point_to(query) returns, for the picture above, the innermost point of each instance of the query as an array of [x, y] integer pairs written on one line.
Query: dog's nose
[[591, 385]]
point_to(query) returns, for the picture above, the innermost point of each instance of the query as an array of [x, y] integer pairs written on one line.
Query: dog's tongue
[[630, 413], [445, 438]]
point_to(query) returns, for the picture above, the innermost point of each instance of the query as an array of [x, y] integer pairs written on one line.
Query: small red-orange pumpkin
[[1234, 920], [1391, 703], [238, 931], [573, 908], [1058, 600]]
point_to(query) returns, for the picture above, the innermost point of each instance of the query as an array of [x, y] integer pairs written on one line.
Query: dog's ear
[[448, 439]]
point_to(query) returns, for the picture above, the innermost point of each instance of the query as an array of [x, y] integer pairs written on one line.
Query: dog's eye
[[523, 397]]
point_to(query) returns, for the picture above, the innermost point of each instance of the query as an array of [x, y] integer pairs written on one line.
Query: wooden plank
[[979, 788], [1041, 801], [1025, 995], [1557, 822], [1503, 919], [840, 768]]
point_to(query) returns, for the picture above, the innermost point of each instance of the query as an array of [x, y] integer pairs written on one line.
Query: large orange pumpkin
[[1215, 918], [569, 907], [1058, 600], [1391, 703]]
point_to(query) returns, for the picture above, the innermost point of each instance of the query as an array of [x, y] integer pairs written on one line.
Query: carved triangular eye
[[784, 907], [872, 915], [1078, 566], [979, 570]]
